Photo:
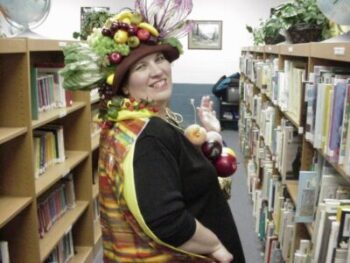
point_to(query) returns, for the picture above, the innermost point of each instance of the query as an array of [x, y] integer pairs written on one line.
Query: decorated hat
[[109, 52]]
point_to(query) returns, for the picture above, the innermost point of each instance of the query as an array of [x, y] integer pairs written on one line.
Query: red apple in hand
[[225, 164], [212, 149]]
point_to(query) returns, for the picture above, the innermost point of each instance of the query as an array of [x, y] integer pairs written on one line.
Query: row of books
[[4, 252], [64, 251], [277, 216], [47, 90], [55, 203], [261, 122], [283, 87], [48, 147], [327, 98]]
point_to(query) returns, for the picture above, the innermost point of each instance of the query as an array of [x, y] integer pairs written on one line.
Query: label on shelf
[[301, 130], [339, 51], [290, 49], [62, 44]]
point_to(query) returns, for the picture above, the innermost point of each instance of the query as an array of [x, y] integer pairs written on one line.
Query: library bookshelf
[[20, 189], [310, 55]]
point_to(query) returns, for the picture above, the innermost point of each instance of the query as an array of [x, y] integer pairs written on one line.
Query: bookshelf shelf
[[95, 139], [50, 240], [97, 231], [42, 45], [272, 49], [20, 190], [11, 207], [298, 50], [58, 171], [308, 66], [12, 46], [331, 51], [95, 190], [292, 187], [7, 134], [83, 254], [49, 116]]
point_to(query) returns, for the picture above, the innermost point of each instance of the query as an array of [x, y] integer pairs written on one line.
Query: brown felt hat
[[171, 53]]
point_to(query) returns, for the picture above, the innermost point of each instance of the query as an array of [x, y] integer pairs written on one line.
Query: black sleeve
[[158, 190]]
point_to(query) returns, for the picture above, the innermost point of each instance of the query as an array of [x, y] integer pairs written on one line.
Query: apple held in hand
[[212, 149], [225, 164], [196, 134]]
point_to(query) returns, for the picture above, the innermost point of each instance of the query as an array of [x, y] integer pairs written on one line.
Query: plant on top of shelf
[[304, 21], [268, 32], [92, 20]]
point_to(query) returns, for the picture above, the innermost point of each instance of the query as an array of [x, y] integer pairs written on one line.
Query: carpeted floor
[[241, 204]]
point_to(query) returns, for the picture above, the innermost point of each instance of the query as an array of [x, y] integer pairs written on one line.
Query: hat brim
[[171, 53]]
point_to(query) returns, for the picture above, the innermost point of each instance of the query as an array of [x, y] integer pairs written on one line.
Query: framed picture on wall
[[205, 34]]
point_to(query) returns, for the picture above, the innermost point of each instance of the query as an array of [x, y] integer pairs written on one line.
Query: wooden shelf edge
[[51, 115], [7, 134], [10, 207], [13, 45], [292, 187], [55, 172], [48, 44], [83, 254], [97, 231], [97, 247], [51, 239], [95, 141], [95, 190]]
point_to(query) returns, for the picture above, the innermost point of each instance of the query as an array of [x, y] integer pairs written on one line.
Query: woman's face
[[150, 78]]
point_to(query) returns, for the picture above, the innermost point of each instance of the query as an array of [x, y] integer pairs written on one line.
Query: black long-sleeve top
[[175, 183]]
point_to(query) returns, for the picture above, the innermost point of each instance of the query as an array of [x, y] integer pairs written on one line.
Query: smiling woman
[[160, 198]]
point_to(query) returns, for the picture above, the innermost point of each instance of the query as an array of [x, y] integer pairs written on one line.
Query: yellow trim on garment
[[131, 200]]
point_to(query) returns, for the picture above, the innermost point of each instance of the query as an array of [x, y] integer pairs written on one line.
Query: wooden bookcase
[[19, 189], [328, 54]]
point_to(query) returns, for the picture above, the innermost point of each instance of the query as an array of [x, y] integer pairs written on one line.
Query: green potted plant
[[92, 20], [268, 32], [303, 20]]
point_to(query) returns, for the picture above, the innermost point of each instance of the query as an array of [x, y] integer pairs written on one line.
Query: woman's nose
[[155, 69]]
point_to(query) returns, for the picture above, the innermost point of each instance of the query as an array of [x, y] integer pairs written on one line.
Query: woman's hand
[[207, 115], [221, 255]]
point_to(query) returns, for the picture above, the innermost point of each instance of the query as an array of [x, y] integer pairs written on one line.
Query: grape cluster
[[105, 46]]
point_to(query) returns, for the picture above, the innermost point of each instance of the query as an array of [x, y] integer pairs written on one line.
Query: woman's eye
[[139, 67], [160, 58]]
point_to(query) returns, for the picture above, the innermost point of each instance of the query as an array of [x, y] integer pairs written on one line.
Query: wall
[[195, 66]]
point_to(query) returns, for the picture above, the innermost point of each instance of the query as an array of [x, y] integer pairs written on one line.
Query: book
[[336, 119], [307, 197], [4, 252]]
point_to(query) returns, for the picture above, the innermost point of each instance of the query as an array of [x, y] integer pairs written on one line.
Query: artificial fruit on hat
[[149, 28], [133, 41], [143, 34], [121, 36], [115, 58]]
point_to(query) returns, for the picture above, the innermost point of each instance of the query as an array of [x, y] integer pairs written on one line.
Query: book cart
[[21, 191], [267, 179]]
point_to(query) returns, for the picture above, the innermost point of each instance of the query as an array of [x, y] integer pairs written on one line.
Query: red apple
[[225, 165], [143, 34], [212, 149], [115, 58]]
